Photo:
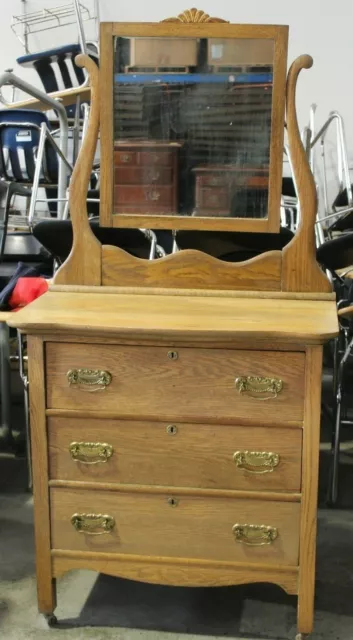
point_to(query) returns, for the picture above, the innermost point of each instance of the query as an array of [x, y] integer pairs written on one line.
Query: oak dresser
[[175, 403]]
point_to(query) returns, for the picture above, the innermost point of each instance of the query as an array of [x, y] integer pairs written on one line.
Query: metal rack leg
[[24, 379], [333, 486]]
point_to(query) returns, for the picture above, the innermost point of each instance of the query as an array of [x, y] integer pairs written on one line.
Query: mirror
[[192, 126]]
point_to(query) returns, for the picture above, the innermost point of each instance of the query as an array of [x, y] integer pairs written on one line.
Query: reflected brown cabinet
[[175, 402], [221, 189], [146, 177]]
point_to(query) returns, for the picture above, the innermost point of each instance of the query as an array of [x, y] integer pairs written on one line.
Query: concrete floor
[[106, 608]]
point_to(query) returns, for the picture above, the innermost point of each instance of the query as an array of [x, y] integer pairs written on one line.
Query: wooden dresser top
[[161, 315]]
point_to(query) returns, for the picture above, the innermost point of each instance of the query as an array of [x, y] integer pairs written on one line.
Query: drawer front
[[150, 157], [258, 182], [125, 158], [161, 210], [179, 455], [215, 180], [173, 525], [143, 175], [214, 198], [183, 383], [148, 195]]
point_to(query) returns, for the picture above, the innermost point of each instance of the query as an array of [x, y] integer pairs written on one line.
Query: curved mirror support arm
[[300, 271], [83, 266]]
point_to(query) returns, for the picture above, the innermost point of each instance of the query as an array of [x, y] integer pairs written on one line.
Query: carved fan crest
[[194, 15]]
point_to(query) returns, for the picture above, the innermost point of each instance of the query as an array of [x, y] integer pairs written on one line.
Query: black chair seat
[[23, 247], [341, 199], [288, 188], [233, 246], [57, 237], [344, 223], [337, 253]]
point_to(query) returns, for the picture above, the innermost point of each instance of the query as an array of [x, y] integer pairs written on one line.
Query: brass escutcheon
[[172, 355], [255, 535], [173, 502], [256, 462], [172, 429]]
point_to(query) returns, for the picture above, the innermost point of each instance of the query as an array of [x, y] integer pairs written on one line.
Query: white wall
[[320, 27], [11, 48]]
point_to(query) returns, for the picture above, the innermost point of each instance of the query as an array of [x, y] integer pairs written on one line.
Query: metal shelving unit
[[44, 19]]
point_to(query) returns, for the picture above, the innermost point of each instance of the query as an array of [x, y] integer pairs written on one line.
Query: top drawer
[[262, 387]]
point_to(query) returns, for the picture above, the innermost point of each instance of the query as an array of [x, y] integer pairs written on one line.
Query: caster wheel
[[301, 636], [50, 619]]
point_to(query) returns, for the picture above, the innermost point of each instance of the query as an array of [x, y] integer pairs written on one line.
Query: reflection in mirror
[[192, 126]]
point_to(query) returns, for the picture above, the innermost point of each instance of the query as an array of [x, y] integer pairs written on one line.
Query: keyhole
[[173, 502], [172, 355], [172, 429]]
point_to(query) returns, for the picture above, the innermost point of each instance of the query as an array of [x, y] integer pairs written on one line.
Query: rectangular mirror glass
[[192, 126]]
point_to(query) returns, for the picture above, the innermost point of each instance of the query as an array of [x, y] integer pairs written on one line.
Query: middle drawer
[[180, 455]]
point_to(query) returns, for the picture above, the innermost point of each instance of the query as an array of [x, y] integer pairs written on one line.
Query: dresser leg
[[50, 619], [46, 593], [310, 476]]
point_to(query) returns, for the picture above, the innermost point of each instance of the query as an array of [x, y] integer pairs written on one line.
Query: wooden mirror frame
[[292, 272], [193, 24]]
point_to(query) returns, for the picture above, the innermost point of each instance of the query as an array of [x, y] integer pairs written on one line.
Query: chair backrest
[[57, 68], [19, 139]]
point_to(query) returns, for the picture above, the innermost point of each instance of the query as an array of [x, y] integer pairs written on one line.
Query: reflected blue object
[[193, 78]]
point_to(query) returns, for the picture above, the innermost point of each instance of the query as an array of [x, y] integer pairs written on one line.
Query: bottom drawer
[[175, 525]]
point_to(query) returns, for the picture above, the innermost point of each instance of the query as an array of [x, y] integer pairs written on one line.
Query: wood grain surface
[[191, 269], [198, 527], [189, 317], [177, 572], [199, 384], [46, 588], [180, 455]]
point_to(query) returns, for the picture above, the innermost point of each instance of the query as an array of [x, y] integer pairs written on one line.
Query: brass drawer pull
[[254, 535], [126, 158], [153, 195], [93, 524], [89, 379], [256, 386], [257, 462], [90, 452], [216, 182], [152, 175]]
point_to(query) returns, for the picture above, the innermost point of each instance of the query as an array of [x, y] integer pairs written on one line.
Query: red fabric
[[26, 290]]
